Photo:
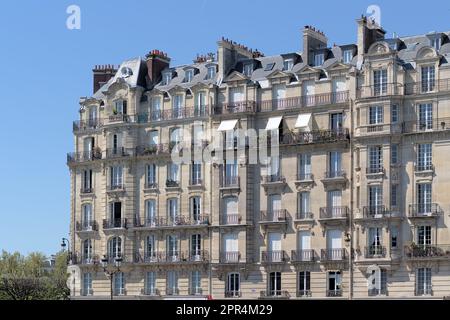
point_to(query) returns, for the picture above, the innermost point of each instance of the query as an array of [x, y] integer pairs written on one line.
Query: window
[[172, 283], [196, 212], [274, 284], [211, 72], [380, 82], [274, 253], [155, 111], [269, 66], [336, 120], [167, 77], [423, 282], [196, 283], [334, 284], [375, 199], [304, 169], [154, 139], [304, 283], [348, 56], [150, 248], [382, 285], [304, 205], [334, 244], [87, 284], [173, 174], [319, 58], [86, 219], [236, 95], [424, 198], [394, 237], [334, 164], [248, 69], [274, 206], [334, 202], [428, 78], [150, 283], [230, 213], [424, 236], [233, 286], [425, 116], [288, 64], [196, 247], [120, 107], [119, 283], [230, 247], [116, 177], [376, 115], [115, 215], [394, 154], [200, 104], [87, 251], [189, 75], [172, 248], [231, 172], [151, 176], [273, 168], [436, 43], [177, 106], [150, 212], [394, 195], [87, 181], [374, 242], [197, 134], [394, 113], [196, 173], [114, 248], [172, 210], [424, 157], [375, 159]]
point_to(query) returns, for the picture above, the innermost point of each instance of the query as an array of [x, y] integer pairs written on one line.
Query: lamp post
[[66, 243], [110, 273]]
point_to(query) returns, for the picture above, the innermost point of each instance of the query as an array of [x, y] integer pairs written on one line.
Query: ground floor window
[[304, 287]]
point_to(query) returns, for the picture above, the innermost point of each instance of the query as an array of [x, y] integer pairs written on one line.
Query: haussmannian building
[[360, 186]]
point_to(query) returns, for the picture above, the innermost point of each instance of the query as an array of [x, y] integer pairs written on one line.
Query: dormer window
[[211, 72], [288, 64], [248, 69], [319, 58], [167, 77], [189, 75], [436, 43], [348, 56]]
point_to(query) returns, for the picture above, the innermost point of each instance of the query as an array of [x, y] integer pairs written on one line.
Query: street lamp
[[66, 243], [110, 273]]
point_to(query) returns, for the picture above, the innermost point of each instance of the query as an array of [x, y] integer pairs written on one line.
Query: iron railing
[[375, 252], [375, 211], [274, 178], [417, 251], [274, 215], [305, 177], [316, 136], [274, 294], [335, 174], [334, 212], [230, 181], [374, 170], [424, 167], [274, 256], [304, 215], [120, 223], [171, 256], [423, 210], [233, 293], [334, 293], [153, 149], [89, 225], [234, 107], [150, 291], [84, 156]]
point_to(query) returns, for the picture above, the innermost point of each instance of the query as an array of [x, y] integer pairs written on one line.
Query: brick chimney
[[157, 61], [102, 74], [312, 40], [368, 33]]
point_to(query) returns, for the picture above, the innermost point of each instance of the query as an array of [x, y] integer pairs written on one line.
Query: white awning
[[303, 120], [227, 125], [274, 123]]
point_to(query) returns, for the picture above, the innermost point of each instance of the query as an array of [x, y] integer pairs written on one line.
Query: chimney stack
[[157, 61], [369, 32], [312, 40], [102, 74]]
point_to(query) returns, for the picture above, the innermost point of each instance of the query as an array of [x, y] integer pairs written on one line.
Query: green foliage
[[32, 278]]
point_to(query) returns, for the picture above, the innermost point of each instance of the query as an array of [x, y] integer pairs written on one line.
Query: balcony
[[174, 114], [232, 219], [120, 223], [304, 216], [172, 291], [172, 183], [150, 222], [329, 213], [235, 107], [174, 221], [120, 117], [303, 101], [378, 128], [196, 183], [175, 256], [373, 252], [111, 259], [425, 87], [274, 179], [376, 212], [334, 293], [379, 91], [196, 291], [230, 257], [87, 125], [79, 157], [330, 255], [375, 171], [428, 125], [274, 294], [305, 255], [152, 150], [112, 153], [115, 188], [233, 294], [317, 136], [82, 259], [86, 226], [336, 179], [151, 291], [274, 216], [427, 252], [276, 256], [424, 210], [304, 293], [230, 182], [87, 190]]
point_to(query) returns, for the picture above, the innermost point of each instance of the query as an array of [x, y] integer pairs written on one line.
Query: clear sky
[[46, 68]]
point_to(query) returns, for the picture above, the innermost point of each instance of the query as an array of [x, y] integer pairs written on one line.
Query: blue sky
[[46, 68]]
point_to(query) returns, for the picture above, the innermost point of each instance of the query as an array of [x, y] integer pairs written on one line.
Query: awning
[[303, 120], [227, 125], [274, 123]]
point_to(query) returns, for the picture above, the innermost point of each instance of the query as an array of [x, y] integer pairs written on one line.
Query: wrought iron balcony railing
[[230, 181], [150, 291], [375, 252], [274, 294], [305, 177], [317, 136], [418, 251], [335, 174], [74, 157], [86, 125], [120, 223], [89, 225], [304, 215], [233, 293], [153, 149], [375, 211], [424, 167], [334, 212], [334, 293], [274, 178], [274, 215], [423, 210], [375, 170], [235, 107]]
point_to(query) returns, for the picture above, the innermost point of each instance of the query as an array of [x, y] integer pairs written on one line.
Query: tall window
[[189, 75], [394, 154], [424, 198], [376, 115], [172, 248], [394, 113], [150, 283], [424, 157], [230, 172], [334, 202], [177, 106], [196, 209], [428, 78], [423, 282], [120, 107], [230, 247], [334, 284], [425, 116], [304, 167], [116, 177], [336, 120], [248, 69], [374, 242], [380, 82], [319, 59], [174, 173], [87, 181], [304, 283], [196, 173], [334, 164], [150, 212], [200, 104], [288, 64], [394, 237], [172, 210], [211, 72], [304, 205], [150, 248], [151, 176], [424, 236], [274, 284], [155, 111], [233, 286], [87, 284], [115, 214], [167, 77], [375, 199], [230, 212], [382, 281], [436, 43], [375, 159], [394, 195], [196, 246], [172, 283], [348, 56], [115, 248], [87, 251], [119, 283], [196, 282], [86, 219]]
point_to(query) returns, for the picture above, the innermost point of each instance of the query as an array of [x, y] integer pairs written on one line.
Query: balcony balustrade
[[89, 225], [274, 215], [339, 212], [230, 257], [374, 252], [333, 254], [119, 223], [274, 256], [304, 255], [418, 210]]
